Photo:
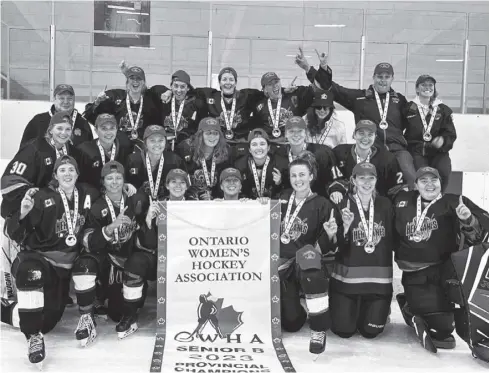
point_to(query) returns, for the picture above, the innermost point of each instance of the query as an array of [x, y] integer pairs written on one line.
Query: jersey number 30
[[18, 168]]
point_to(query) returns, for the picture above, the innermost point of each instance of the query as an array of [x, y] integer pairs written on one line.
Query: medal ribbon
[[289, 220], [70, 224], [228, 119], [276, 120], [368, 227], [154, 187], [112, 214], [63, 151], [209, 180], [102, 152], [383, 113], [420, 216], [291, 157], [325, 133], [134, 125], [427, 127], [260, 188], [366, 159]]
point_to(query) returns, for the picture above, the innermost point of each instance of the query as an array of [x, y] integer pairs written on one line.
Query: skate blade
[[128, 332], [315, 357], [39, 365]]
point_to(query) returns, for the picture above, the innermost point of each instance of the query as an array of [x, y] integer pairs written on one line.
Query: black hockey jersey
[[357, 271], [439, 230], [271, 190], [38, 125], [90, 161], [389, 174], [32, 166], [45, 228], [307, 228]]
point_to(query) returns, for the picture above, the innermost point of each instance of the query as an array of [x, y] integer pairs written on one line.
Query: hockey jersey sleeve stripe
[[13, 182], [60, 259], [141, 247], [356, 275]]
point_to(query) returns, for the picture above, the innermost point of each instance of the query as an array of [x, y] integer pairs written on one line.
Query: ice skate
[[480, 350], [126, 326], [423, 334], [317, 343], [447, 343], [36, 350], [85, 331]]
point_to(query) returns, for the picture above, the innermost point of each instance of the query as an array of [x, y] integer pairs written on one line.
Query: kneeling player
[[361, 282], [109, 241], [304, 237], [49, 229], [428, 222]]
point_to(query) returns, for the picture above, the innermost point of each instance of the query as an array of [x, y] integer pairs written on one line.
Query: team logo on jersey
[[48, 202], [77, 132], [198, 179], [299, 227], [402, 204], [48, 161], [360, 238], [437, 116], [429, 225], [96, 164], [133, 171], [236, 120], [118, 101], [395, 100], [62, 228], [104, 213], [284, 115], [125, 123], [210, 101], [168, 123]]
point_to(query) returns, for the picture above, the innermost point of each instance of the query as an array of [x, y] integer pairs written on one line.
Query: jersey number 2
[[399, 178], [18, 168]]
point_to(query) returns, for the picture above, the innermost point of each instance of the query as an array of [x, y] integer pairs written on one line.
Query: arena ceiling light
[[321, 26], [442, 60]]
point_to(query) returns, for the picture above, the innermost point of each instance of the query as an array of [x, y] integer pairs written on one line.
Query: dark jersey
[[246, 101], [363, 104], [388, 173], [32, 166], [37, 127], [439, 231], [357, 271], [90, 161], [45, 229], [307, 228], [271, 190], [442, 126], [326, 161]]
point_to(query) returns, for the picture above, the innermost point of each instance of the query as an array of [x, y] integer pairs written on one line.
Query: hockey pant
[[138, 269], [426, 296], [97, 276], [41, 292], [365, 313], [310, 278]]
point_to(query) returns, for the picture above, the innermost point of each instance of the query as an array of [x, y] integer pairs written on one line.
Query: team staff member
[[263, 171], [361, 282], [307, 231], [378, 103], [430, 131], [49, 226], [64, 100], [428, 223], [295, 133], [389, 176], [322, 125]]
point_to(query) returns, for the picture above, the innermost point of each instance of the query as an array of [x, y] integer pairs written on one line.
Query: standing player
[[263, 171], [49, 227], [322, 125], [307, 231], [295, 133], [430, 131], [378, 103], [108, 241], [64, 100], [428, 223], [389, 176], [361, 282]]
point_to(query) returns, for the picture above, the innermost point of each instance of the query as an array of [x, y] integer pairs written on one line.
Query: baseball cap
[[364, 168], [181, 76], [229, 70], [366, 124], [60, 117], [105, 118], [60, 88], [322, 98], [295, 122], [137, 72], [384, 67], [110, 167], [424, 78], [257, 132], [65, 159], [269, 77], [427, 170], [230, 172], [209, 124], [152, 130], [177, 173]]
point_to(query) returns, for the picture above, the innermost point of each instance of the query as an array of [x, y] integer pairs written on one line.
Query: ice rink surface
[[396, 350]]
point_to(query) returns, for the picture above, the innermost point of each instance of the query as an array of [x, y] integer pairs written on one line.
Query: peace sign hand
[[462, 211], [277, 176], [301, 61], [330, 226], [323, 59]]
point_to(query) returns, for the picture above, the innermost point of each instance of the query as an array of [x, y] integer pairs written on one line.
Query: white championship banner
[[218, 291]]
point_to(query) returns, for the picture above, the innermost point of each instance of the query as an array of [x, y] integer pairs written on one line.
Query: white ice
[[396, 350]]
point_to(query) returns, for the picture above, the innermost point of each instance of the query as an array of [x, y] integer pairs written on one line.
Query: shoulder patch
[[118, 101], [48, 202], [210, 101], [77, 132], [133, 171], [96, 164], [260, 107], [104, 212], [48, 161], [402, 204]]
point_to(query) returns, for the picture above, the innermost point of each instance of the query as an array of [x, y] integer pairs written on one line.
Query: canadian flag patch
[[402, 204]]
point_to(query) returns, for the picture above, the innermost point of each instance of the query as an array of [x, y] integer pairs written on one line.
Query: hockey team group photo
[[198, 193]]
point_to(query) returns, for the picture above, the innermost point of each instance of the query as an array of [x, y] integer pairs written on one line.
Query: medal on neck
[[276, 132], [383, 112], [368, 226], [154, 187], [427, 127], [289, 220], [112, 214], [420, 216], [176, 118], [70, 224], [134, 124], [64, 150], [209, 180], [229, 120], [359, 160], [102, 152], [260, 187]]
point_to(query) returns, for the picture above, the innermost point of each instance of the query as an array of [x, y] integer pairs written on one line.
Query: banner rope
[[247, 224]]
